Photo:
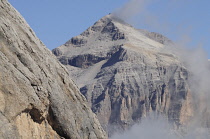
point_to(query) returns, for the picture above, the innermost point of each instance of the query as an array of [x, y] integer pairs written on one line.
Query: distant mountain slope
[[125, 74], [37, 98]]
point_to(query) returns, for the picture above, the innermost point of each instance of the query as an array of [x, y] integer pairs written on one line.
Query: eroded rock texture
[[125, 74], [37, 98]]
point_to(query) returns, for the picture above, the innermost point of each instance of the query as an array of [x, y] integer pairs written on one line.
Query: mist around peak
[[130, 9], [157, 127], [151, 127], [195, 59]]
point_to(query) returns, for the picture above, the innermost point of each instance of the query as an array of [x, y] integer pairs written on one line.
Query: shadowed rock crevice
[[116, 57], [56, 52], [113, 31], [83, 61], [35, 115], [53, 121]]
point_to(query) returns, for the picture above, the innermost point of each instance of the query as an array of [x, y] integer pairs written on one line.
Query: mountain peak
[[123, 72], [113, 18], [105, 34]]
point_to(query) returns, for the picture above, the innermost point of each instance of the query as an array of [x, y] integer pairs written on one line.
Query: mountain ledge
[[125, 74]]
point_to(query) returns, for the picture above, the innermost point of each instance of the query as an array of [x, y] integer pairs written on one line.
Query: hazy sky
[[55, 22]]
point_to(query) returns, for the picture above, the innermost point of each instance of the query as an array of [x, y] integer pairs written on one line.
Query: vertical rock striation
[[125, 74], [37, 98]]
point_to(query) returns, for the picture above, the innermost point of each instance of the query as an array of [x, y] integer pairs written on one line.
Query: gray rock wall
[[135, 76], [125, 91]]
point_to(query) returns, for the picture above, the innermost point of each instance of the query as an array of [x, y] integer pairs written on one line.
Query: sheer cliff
[[37, 97], [125, 74]]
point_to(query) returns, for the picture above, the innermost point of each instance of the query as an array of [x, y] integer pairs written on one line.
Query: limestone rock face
[[125, 74], [37, 98]]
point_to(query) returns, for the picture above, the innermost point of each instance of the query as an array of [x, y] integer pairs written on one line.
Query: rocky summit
[[125, 73], [37, 97]]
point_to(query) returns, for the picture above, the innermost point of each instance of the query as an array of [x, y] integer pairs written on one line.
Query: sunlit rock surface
[[37, 98], [125, 73]]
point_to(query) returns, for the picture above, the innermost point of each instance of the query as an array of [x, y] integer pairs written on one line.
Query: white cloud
[[194, 59]]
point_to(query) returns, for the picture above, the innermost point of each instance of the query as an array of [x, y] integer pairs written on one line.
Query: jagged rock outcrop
[[125, 74], [156, 36], [37, 98]]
